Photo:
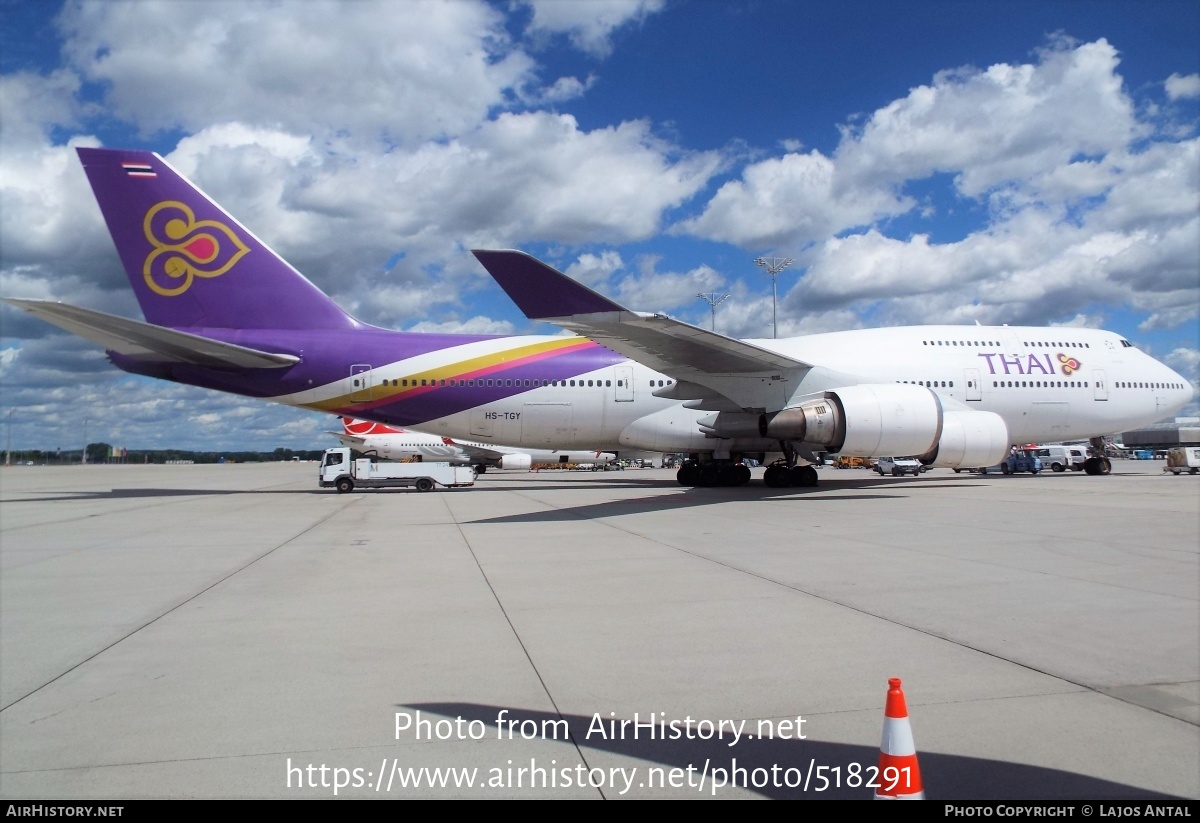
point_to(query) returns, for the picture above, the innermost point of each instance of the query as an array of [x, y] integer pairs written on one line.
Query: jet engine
[[969, 439], [516, 461], [900, 419]]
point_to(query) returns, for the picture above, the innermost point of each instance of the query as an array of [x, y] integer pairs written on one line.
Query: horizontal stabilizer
[[349, 440], [145, 341]]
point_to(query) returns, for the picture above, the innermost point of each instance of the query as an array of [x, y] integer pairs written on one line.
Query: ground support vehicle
[[1017, 462], [1061, 458], [1183, 459], [899, 466], [340, 471]]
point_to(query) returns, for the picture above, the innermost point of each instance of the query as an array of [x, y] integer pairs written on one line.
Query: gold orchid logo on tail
[[186, 248]]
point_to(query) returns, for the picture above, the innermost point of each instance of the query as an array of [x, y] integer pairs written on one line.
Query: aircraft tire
[[802, 476], [741, 475], [688, 474], [480, 469], [708, 476], [775, 477]]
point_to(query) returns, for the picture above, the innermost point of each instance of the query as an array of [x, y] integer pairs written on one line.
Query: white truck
[[341, 471]]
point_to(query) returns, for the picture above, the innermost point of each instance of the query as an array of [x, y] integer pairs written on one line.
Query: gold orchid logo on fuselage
[[186, 248]]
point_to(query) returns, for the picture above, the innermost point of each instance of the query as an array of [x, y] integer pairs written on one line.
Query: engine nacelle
[[969, 439], [867, 420], [516, 461], [899, 419]]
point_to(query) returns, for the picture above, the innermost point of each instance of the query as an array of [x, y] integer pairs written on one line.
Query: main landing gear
[[732, 472], [1097, 463], [713, 473], [779, 475], [785, 472]]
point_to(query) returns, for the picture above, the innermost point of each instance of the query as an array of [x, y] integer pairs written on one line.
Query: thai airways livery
[[223, 311], [392, 443]]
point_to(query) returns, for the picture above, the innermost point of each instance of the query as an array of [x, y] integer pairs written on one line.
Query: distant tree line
[[103, 453]]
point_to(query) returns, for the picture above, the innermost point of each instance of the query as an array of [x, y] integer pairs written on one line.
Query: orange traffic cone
[[899, 777]]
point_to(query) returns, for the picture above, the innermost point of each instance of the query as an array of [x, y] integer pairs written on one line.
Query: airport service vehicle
[[1061, 458], [224, 311], [1182, 459], [340, 470], [898, 466], [1018, 462]]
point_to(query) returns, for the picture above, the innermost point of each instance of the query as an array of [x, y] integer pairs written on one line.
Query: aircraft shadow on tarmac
[[693, 496], [945, 777], [868, 488]]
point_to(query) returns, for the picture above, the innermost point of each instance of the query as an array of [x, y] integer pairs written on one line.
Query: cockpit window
[[1127, 344]]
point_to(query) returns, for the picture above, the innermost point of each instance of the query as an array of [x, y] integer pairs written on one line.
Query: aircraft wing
[[706, 364], [481, 452], [145, 341]]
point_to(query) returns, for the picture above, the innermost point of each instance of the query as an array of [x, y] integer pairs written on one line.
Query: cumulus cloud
[[1080, 207], [653, 290], [399, 73], [1180, 86], [475, 325], [33, 103], [594, 270], [589, 24], [1006, 128], [7, 358]]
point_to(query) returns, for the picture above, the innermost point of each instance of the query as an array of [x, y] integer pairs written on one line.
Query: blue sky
[[940, 162]]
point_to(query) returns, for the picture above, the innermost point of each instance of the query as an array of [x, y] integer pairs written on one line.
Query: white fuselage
[[1047, 383]]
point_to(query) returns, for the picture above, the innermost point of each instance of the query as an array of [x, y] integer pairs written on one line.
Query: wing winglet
[[539, 290]]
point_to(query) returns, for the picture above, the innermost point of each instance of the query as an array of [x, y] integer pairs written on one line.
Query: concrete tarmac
[[231, 631]]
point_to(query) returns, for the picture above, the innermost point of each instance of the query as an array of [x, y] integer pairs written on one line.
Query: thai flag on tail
[[139, 169]]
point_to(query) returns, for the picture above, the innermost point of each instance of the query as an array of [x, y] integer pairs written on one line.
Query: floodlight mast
[[712, 298], [773, 266]]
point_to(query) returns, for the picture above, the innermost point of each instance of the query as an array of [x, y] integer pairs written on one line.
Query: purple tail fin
[[190, 263]]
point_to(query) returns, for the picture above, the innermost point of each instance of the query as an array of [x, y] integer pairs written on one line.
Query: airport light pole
[[773, 266], [712, 299]]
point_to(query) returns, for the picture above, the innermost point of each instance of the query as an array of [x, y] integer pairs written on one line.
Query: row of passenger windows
[[1124, 385], [996, 384], [530, 383], [1040, 384], [994, 344]]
